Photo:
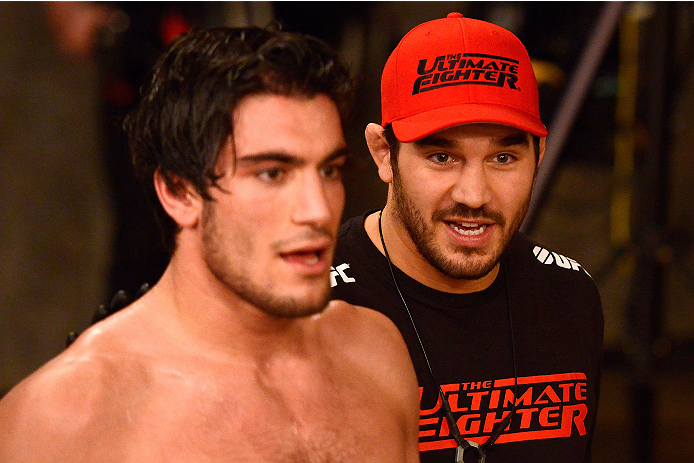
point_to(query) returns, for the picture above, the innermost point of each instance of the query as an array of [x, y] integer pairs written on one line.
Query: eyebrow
[[521, 139], [433, 141], [288, 159]]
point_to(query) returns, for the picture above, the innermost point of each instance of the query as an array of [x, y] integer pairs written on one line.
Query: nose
[[472, 187], [315, 202]]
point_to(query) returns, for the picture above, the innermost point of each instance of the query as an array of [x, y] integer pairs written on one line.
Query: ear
[[543, 144], [183, 205], [380, 151]]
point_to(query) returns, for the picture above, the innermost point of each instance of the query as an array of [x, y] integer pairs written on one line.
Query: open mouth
[[309, 252], [468, 228], [308, 257]]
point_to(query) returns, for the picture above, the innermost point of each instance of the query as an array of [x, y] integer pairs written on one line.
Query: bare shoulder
[[369, 343], [360, 324], [65, 399], [79, 396], [370, 338]]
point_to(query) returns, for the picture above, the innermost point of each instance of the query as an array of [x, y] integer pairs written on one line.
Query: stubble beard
[[473, 265], [238, 281]]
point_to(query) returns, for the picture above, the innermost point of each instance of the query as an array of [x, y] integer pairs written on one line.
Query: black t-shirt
[[554, 329]]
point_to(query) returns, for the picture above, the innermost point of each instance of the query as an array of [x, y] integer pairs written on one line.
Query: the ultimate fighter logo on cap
[[466, 68], [458, 70]]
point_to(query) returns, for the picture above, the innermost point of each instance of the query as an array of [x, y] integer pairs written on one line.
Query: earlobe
[[380, 151], [181, 204]]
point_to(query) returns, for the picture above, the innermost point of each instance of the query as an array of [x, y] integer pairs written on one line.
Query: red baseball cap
[[458, 70]]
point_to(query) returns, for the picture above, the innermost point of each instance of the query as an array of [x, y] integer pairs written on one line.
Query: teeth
[[471, 229], [312, 260]]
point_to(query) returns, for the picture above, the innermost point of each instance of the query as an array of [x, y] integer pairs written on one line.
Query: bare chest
[[309, 418]]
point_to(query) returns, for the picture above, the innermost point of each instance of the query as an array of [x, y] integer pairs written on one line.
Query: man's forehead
[[270, 122], [499, 134]]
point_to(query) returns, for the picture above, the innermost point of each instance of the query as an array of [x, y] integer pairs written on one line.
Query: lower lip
[[308, 265], [480, 240]]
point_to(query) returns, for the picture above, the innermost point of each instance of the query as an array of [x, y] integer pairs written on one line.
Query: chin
[[465, 268], [295, 306]]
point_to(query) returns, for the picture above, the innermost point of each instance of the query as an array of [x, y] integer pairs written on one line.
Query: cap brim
[[420, 125]]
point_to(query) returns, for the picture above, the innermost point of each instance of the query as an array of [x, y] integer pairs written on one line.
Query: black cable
[[496, 431]]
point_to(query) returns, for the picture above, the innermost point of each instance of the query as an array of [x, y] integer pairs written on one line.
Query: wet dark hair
[[184, 115], [394, 145]]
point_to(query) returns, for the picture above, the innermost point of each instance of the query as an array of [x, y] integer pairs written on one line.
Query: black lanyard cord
[[481, 450]]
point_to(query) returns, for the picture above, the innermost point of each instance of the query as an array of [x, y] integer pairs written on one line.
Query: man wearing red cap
[[505, 335]]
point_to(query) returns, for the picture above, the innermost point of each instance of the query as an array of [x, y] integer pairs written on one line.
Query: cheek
[[513, 194], [434, 190], [420, 195], [335, 195]]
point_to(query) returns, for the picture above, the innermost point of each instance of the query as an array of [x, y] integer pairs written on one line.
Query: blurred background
[[614, 192]]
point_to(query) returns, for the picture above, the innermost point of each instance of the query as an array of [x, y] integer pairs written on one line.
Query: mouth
[[307, 253], [468, 228], [308, 258], [304, 257]]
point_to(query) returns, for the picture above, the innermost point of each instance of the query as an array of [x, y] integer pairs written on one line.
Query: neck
[[403, 253], [207, 315]]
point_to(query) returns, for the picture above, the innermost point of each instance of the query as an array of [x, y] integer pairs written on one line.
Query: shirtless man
[[235, 355]]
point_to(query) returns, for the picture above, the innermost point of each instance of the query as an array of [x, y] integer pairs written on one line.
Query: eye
[[440, 158], [272, 174], [332, 171], [503, 158]]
